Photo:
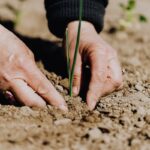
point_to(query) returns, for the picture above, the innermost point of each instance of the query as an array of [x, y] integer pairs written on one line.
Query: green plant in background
[[128, 9], [71, 71], [18, 17], [16, 12], [142, 18], [129, 14]]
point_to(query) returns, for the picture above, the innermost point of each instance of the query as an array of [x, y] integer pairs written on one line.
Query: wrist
[[85, 26]]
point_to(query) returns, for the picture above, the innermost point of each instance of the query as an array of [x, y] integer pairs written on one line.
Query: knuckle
[[42, 90], [76, 77], [5, 77], [21, 61], [31, 55], [118, 83], [24, 63]]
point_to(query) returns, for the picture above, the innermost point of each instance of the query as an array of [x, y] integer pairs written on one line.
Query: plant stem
[[76, 47], [68, 53]]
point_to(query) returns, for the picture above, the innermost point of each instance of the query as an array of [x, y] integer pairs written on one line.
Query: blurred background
[[29, 15]]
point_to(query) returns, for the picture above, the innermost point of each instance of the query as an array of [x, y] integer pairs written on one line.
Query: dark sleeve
[[60, 12]]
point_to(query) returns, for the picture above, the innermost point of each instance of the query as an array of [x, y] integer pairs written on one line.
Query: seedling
[[129, 14], [68, 53], [71, 71]]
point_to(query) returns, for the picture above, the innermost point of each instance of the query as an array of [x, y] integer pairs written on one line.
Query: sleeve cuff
[[60, 13]]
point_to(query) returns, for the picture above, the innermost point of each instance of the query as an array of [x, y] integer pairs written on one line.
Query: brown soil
[[121, 120]]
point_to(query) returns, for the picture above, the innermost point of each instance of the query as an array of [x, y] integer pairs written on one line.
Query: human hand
[[20, 75], [106, 74]]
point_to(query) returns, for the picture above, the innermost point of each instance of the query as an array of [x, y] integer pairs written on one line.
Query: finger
[[25, 94], [108, 88], [9, 95], [114, 78], [98, 78], [115, 73], [112, 83], [44, 88], [77, 74]]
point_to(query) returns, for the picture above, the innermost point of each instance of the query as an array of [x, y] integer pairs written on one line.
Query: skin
[[106, 74], [20, 75]]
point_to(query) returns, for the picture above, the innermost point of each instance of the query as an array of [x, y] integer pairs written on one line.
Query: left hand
[[21, 78], [106, 74]]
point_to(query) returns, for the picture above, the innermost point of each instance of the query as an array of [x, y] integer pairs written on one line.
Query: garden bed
[[121, 121]]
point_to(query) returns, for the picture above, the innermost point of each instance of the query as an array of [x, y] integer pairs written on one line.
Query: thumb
[[77, 74]]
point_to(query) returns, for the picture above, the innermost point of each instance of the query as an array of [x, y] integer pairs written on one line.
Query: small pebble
[[78, 146], [95, 133], [119, 94], [59, 88], [141, 111], [135, 61], [139, 87], [65, 83], [62, 121], [147, 119], [135, 141], [26, 111], [126, 120]]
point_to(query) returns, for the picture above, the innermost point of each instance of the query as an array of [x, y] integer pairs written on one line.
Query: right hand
[[106, 74], [20, 75]]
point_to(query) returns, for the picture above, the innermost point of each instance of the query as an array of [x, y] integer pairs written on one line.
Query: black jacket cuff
[[60, 12]]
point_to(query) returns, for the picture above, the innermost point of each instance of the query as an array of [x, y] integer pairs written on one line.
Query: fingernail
[[9, 96], [92, 105], [63, 107], [75, 90]]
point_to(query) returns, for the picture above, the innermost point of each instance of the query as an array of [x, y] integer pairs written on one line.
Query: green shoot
[[71, 71], [129, 14], [130, 5], [128, 10], [17, 20], [68, 53]]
